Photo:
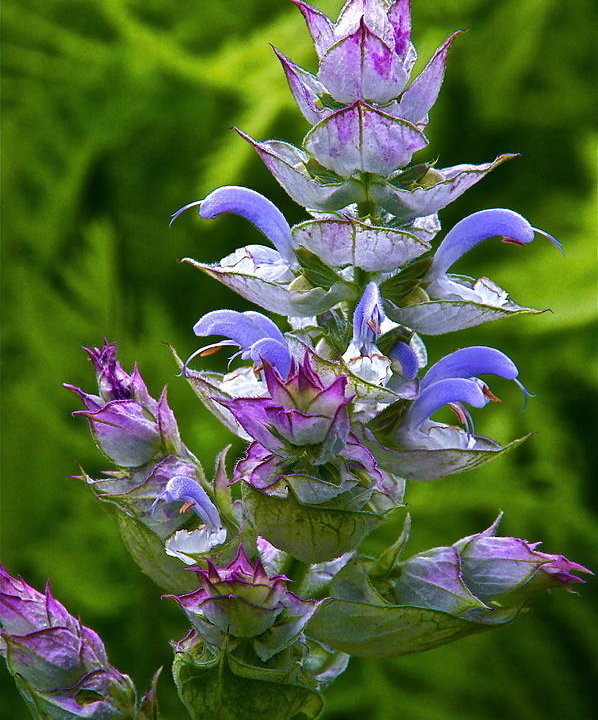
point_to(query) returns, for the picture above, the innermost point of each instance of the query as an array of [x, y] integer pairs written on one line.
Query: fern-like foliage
[[113, 111]]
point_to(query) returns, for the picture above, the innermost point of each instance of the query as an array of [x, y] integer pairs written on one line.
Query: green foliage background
[[116, 112]]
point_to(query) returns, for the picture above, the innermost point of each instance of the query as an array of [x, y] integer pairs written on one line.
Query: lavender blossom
[[136, 492], [423, 449], [256, 335], [60, 666], [363, 356]]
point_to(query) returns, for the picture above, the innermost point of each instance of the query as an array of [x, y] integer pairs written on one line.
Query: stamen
[[191, 357], [210, 350], [204, 352], [489, 394], [187, 506], [511, 240], [459, 412], [374, 327]]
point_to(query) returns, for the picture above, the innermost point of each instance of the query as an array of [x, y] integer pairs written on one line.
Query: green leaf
[[319, 172], [147, 550], [211, 690], [427, 465], [411, 177], [386, 422], [336, 329], [315, 270], [400, 286], [148, 707], [389, 339], [369, 630], [310, 533]]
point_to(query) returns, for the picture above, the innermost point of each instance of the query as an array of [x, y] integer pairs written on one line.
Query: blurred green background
[[116, 113]]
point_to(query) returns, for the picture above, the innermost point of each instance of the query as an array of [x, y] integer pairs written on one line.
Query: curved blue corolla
[[183, 489], [456, 302], [257, 336], [480, 226], [262, 213], [418, 431], [407, 360], [472, 361]]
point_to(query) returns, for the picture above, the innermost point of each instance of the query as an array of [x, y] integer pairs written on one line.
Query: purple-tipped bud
[[497, 567], [301, 412], [113, 382], [242, 601], [482, 575], [128, 424], [62, 665]]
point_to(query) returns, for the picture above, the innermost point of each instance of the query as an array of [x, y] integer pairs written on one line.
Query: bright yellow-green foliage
[[115, 114]]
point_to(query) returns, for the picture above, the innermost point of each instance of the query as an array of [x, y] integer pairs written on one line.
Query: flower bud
[[482, 575], [509, 569], [384, 608], [60, 666], [128, 424], [140, 435], [301, 416], [240, 600]]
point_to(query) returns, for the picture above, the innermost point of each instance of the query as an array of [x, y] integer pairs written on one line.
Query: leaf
[[438, 317], [278, 298], [368, 630], [212, 690], [401, 285], [148, 552], [425, 465], [342, 242], [360, 138], [315, 270], [310, 533], [148, 706], [386, 422]]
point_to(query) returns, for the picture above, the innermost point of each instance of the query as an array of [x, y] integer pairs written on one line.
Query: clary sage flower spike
[[336, 401]]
